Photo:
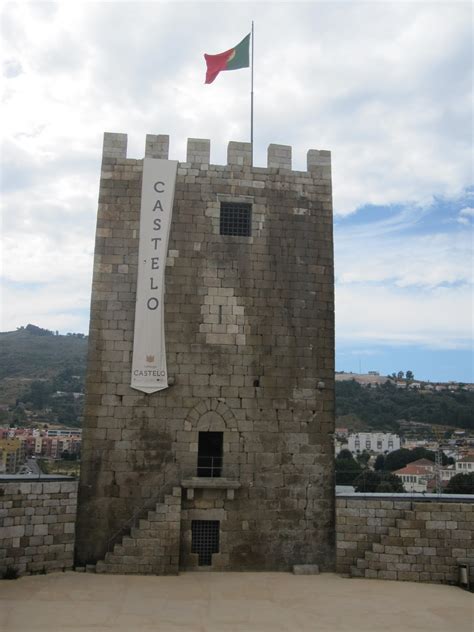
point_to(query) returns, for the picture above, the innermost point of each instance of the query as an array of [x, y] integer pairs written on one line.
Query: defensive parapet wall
[[37, 523], [238, 154], [249, 328], [388, 536], [395, 537]]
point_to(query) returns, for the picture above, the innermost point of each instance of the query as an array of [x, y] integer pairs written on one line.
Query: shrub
[[10, 573]]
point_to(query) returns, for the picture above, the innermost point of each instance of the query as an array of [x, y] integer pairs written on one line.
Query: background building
[[378, 442], [12, 455], [465, 465]]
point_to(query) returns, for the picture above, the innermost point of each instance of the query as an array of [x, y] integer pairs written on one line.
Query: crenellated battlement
[[238, 153]]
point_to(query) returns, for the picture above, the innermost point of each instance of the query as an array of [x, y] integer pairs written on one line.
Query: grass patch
[[60, 467]]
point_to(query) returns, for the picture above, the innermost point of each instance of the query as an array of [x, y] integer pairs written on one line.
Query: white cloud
[[370, 94], [57, 305], [405, 280], [439, 319], [404, 260], [466, 216], [385, 86]]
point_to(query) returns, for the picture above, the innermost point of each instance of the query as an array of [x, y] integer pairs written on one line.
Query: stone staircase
[[410, 551], [374, 543], [152, 547]]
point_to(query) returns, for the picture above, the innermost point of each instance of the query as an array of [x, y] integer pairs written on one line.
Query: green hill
[[36, 353], [36, 363], [383, 407], [32, 354]]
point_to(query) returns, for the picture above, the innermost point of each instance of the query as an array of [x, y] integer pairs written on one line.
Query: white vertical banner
[[149, 352]]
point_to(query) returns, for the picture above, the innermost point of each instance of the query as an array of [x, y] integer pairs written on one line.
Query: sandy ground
[[229, 602]]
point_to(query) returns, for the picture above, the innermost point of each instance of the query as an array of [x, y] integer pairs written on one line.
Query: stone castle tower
[[231, 466]]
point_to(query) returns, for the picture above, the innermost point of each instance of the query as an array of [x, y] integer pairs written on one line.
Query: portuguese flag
[[232, 59]]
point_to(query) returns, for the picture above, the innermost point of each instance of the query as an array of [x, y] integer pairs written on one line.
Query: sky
[[386, 86]]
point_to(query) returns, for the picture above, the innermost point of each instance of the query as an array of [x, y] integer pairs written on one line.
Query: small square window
[[236, 219]]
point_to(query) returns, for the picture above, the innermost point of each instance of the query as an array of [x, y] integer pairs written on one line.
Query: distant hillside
[[36, 365], [35, 352], [384, 406], [32, 353]]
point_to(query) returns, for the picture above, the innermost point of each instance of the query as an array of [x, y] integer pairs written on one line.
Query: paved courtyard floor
[[229, 602]]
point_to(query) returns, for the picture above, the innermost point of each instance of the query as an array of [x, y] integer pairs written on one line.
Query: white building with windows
[[415, 478], [465, 465], [447, 473], [377, 442]]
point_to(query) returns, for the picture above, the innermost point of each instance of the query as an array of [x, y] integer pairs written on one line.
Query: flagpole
[[251, 106]]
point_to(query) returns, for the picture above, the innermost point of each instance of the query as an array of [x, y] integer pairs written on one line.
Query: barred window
[[205, 540], [236, 219]]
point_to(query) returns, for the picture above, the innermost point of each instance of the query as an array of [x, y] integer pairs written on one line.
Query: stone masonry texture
[[377, 537], [249, 325], [37, 522], [152, 547], [393, 538]]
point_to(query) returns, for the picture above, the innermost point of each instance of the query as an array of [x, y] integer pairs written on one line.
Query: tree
[[382, 482], [385, 487], [382, 408], [18, 415], [347, 468], [400, 375], [379, 463], [409, 375], [397, 459], [422, 453], [38, 331], [363, 459], [38, 395], [461, 484], [345, 454]]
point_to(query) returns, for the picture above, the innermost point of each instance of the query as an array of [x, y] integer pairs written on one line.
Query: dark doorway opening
[[210, 454], [205, 540]]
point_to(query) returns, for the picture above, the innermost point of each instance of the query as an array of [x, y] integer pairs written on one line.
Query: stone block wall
[[152, 548], [394, 538], [377, 537], [249, 324], [37, 524]]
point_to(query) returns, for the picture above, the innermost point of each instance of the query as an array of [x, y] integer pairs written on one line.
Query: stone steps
[[152, 547], [408, 552]]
